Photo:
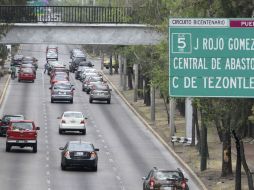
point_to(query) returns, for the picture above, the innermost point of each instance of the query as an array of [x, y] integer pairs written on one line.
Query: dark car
[[30, 60], [16, 60], [75, 63], [62, 91], [160, 179], [100, 92], [79, 154], [4, 122]]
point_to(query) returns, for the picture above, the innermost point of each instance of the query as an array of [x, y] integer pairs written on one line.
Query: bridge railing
[[66, 14]]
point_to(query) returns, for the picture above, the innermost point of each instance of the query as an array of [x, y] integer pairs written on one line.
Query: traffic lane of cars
[[104, 178], [18, 168], [132, 149]]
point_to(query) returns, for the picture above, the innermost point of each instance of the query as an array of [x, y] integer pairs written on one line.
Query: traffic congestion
[[62, 113]]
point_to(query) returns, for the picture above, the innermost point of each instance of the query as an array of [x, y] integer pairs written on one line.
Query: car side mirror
[[86, 118], [96, 149], [50, 88], [37, 128], [110, 89], [143, 178], [58, 117], [186, 179], [61, 148], [73, 88]]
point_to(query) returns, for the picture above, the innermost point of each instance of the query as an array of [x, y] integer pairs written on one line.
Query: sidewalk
[[211, 177]]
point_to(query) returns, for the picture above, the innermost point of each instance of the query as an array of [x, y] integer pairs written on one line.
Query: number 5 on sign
[[181, 43]]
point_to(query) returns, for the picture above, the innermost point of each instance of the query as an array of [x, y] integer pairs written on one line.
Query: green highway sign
[[211, 57]]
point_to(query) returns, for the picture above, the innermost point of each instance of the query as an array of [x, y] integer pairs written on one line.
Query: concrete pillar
[[152, 104], [135, 68], [188, 117], [172, 107]]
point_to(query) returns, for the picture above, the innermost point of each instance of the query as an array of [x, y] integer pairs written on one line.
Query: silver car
[[62, 91], [100, 92], [72, 121]]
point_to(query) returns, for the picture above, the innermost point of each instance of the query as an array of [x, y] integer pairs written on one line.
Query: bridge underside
[[105, 34]]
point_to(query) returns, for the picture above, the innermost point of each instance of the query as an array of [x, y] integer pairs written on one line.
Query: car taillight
[[93, 155], [82, 122], [151, 183], [63, 121], [67, 155], [183, 185]]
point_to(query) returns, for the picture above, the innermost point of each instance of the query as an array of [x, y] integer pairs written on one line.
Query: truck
[[22, 134]]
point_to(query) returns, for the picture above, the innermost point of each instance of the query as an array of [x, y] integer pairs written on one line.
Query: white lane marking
[[105, 146], [46, 141], [110, 160], [108, 153], [47, 166], [118, 178], [103, 140], [47, 158]]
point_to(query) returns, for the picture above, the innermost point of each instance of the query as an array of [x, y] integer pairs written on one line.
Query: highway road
[[127, 149]]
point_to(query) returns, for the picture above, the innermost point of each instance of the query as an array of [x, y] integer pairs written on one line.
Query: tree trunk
[[238, 179], [140, 85], [116, 66], [195, 116], [226, 150], [245, 166], [110, 65], [219, 128], [203, 144], [130, 85], [147, 97]]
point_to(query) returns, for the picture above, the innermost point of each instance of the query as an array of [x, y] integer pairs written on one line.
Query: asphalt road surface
[[127, 149]]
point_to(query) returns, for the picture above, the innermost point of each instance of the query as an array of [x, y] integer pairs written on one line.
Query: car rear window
[[80, 147], [163, 175], [13, 118], [73, 114], [22, 126], [62, 87]]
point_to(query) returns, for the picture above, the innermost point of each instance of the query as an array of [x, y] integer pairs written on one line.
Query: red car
[[22, 134], [26, 74]]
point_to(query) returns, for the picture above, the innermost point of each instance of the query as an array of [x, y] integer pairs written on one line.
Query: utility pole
[[188, 117], [172, 106], [135, 68], [120, 61], [152, 104]]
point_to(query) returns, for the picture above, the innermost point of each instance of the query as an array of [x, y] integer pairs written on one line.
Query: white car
[[72, 121]]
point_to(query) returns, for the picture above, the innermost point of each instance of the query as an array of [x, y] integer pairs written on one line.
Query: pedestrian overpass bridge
[[75, 25], [63, 33]]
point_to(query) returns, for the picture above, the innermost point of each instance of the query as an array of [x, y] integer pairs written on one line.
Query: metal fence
[[66, 14]]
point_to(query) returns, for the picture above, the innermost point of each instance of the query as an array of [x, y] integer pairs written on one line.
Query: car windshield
[[22, 126], [163, 175], [73, 114], [12, 118], [99, 86], [95, 79], [62, 87], [27, 70], [80, 147]]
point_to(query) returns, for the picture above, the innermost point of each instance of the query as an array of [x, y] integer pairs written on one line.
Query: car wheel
[[71, 101], [63, 167], [108, 101], [32, 80], [8, 148], [52, 101], [90, 100], [95, 168], [87, 91], [19, 80], [83, 132], [35, 148], [60, 131]]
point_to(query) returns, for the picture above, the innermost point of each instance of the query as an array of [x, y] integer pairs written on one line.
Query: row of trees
[[230, 116]]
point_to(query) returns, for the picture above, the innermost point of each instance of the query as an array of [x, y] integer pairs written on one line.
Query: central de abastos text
[[189, 71]]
